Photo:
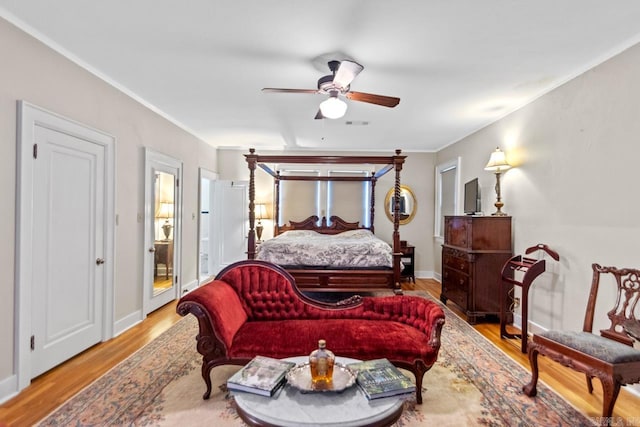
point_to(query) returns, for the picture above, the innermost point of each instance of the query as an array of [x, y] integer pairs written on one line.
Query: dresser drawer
[[455, 259], [455, 286], [457, 231]]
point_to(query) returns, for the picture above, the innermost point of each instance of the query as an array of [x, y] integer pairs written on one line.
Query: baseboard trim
[[429, 274], [8, 388], [127, 322]]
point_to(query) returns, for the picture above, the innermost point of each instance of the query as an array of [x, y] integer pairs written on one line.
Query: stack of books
[[380, 378], [262, 375]]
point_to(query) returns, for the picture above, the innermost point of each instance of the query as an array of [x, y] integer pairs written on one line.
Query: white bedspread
[[349, 249]]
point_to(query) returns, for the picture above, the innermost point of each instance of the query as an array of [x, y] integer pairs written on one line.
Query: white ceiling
[[457, 65]]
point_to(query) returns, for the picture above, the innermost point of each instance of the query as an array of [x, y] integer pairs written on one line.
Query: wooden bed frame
[[331, 279]]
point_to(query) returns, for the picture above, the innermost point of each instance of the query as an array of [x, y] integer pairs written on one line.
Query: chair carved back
[[626, 306]]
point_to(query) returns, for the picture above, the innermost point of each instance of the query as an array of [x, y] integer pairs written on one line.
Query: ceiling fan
[[337, 84]]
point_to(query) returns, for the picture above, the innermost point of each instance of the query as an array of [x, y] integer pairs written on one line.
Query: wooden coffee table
[[291, 408]]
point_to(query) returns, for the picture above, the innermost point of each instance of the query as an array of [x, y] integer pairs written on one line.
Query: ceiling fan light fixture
[[333, 108]]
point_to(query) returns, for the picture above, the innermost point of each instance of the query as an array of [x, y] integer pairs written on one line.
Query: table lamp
[[498, 164], [261, 213], [166, 212]]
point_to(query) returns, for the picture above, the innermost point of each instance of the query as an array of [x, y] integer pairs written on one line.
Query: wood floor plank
[[53, 388]]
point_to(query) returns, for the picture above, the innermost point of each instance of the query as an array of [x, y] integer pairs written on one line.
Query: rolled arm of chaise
[[218, 308], [423, 314]]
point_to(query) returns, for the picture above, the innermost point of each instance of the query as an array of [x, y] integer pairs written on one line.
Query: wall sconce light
[[334, 107], [261, 213], [498, 164]]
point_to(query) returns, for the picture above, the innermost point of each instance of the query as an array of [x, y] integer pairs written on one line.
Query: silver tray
[[300, 378]]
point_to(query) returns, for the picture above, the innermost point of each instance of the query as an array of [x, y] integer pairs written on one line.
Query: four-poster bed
[[327, 277]]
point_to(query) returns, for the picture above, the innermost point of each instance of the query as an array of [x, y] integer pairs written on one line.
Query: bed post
[[372, 212], [397, 162], [276, 204], [251, 241]]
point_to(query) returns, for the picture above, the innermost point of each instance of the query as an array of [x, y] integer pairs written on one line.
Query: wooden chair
[[609, 356]]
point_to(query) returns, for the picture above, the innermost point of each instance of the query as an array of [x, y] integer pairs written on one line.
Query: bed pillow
[[299, 233], [356, 234]]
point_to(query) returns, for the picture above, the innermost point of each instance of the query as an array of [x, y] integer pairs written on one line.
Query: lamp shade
[[261, 211], [497, 162], [165, 210], [333, 108]]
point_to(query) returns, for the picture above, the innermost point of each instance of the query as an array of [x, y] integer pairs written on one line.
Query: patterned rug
[[472, 384]]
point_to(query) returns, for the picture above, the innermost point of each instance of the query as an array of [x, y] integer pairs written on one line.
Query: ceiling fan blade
[[319, 115], [273, 89], [347, 71], [385, 101]]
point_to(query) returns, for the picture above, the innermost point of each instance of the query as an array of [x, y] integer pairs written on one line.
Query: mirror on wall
[[164, 208], [408, 204]]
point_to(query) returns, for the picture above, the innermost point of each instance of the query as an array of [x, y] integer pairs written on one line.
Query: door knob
[[152, 249], [99, 261]]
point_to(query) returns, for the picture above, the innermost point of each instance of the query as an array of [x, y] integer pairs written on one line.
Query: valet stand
[[531, 268]]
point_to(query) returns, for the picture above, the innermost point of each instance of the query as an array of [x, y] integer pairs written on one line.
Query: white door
[[162, 230], [231, 222], [68, 237], [64, 239]]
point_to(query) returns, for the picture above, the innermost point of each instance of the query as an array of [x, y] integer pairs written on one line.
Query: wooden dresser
[[474, 251]]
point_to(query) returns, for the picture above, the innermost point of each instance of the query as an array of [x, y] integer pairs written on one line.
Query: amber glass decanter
[[321, 361]]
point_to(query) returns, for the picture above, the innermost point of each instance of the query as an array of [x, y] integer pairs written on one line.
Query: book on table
[[262, 375], [380, 378]]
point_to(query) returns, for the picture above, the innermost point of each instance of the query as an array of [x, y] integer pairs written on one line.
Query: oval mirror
[[408, 204]]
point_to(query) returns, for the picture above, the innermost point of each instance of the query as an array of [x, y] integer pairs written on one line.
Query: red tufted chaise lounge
[[254, 308]]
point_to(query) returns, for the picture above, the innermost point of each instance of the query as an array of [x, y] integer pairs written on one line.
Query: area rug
[[473, 383]]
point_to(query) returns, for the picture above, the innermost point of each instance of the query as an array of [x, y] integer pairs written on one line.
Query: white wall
[[32, 72], [574, 185]]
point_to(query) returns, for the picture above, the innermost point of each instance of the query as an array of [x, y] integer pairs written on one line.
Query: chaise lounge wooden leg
[[531, 388], [206, 376], [419, 370]]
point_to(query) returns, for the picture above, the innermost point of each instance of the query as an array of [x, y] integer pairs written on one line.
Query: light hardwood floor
[[53, 388]]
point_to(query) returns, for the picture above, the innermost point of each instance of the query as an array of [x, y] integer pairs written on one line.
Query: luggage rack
[[531, 268]]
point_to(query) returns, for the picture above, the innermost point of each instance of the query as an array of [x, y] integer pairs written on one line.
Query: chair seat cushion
[[355, 338], [594, 345]]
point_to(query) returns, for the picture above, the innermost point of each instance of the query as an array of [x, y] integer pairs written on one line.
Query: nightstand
[[163, 255], [408, 261]]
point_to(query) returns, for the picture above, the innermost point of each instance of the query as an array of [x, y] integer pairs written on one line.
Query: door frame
[[28, 117], [152, 158]]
